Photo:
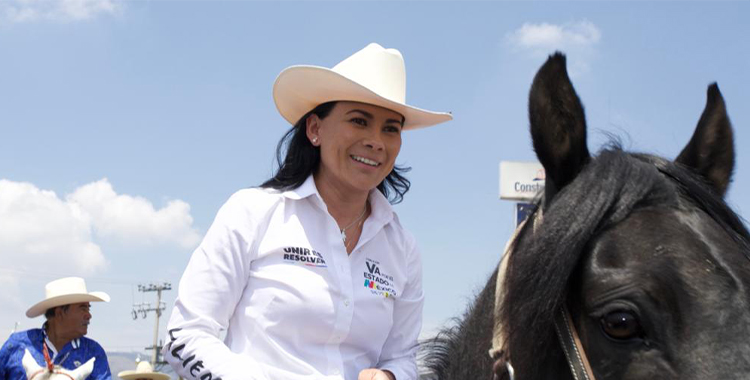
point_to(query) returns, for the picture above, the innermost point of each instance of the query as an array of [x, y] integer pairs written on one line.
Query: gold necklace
[[343, 230]]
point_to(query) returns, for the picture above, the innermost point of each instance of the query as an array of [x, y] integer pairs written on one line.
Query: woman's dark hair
[[301, 159]]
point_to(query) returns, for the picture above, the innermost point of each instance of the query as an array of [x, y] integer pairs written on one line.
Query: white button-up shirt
[[274, 273]]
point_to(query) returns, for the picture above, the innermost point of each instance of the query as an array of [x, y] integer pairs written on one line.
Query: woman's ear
[[312, 129]]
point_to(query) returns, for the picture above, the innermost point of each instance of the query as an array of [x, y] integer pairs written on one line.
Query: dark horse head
[[652, 264]]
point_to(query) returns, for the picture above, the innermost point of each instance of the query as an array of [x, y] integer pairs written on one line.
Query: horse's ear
[[83, 371], [558, 125], [29, 363], [710, 151]]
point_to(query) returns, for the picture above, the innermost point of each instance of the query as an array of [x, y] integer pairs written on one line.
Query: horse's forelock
[[605, 192]]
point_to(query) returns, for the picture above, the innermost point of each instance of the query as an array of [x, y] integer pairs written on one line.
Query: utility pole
[[142, 309]]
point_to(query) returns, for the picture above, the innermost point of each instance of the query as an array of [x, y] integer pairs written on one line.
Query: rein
[[33, 375], [568, 337]]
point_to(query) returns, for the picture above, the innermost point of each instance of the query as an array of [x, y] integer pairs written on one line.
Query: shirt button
[[346, 302]]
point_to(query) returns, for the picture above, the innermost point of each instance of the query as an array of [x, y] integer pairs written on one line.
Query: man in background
[[60, 341]]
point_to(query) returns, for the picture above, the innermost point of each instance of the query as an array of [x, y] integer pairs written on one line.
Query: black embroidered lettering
[[187, 361], [305, 251], [171, 334], [295, 250], [176, 351], [287, 249], [286, 256], [196, 367], [207, 376], [371, 268]]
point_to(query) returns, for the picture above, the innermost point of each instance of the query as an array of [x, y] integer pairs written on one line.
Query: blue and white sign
[[523, 210], [521, 181]]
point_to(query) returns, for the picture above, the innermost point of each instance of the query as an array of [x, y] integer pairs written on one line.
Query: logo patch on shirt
[[307, 256], [379, 283]]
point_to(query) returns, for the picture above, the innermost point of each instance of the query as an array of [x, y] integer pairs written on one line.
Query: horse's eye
[[621, 325]]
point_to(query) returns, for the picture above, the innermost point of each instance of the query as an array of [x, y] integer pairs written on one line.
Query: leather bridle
[[570, 342]]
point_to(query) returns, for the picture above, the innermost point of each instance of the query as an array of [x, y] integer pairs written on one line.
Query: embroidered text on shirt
[[378, 282], [197, 367], [307, 256]]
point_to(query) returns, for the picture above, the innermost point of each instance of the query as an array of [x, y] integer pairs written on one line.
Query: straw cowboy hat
[[65, 291], [143, 371], [373, 75]]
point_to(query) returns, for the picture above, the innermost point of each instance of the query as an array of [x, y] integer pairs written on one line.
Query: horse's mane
[[447, 354], [606, 191]]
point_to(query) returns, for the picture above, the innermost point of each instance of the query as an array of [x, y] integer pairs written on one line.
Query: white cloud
[[126, 218], [576, 39], [20, 11], [38, 229], [10, 297], [549, 36], [43, 233]]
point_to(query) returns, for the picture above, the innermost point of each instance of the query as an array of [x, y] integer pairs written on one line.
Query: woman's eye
[[621, 325], [392, 129], [359, 120]]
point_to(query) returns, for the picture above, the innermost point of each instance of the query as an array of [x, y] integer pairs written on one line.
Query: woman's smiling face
[[358, 144]]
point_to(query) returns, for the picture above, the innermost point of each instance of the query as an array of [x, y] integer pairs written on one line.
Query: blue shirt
[[72, 355]]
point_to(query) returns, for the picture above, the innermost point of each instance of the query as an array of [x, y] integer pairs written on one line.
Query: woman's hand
[[375, 374]]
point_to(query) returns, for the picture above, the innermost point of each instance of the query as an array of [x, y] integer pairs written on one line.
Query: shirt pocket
[[380, 281], [294, 283]]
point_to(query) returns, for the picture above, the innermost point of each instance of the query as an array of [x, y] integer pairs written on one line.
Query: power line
[[143, 309], [45, 276]]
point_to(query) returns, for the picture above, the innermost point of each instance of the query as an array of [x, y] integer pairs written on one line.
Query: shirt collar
[[75, 343], [305, 190], [382, 210]]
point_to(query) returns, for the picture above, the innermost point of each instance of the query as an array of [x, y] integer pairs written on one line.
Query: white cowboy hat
[[373, 75], [143, 371], [65, 291]]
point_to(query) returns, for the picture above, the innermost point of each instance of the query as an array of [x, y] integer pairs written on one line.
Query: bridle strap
[[571, 345], [42, 370], [49, 365]]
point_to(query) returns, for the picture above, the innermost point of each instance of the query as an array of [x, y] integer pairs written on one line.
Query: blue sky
[[124, 125]]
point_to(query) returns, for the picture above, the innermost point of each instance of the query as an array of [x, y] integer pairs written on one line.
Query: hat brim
[[67, 299], [133, 375], [299, 89]]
